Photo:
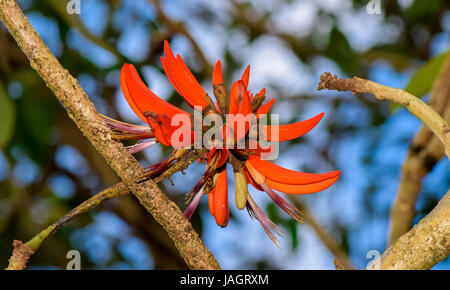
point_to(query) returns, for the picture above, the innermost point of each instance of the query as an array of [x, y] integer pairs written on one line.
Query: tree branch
[[424, 152], [22, 252], [81, 110], [415, 105], [428, 242], [422, 247]]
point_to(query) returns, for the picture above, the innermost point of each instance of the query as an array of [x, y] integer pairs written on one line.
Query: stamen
[[193, 205], [264, 220], [140, 146], [283, 204]]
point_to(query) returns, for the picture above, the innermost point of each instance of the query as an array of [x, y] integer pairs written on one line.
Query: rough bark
[[424, 152], [428, 242], [81, 110], [425, 245]]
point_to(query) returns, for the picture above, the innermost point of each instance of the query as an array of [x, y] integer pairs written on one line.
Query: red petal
[[264, 109], [246, 76], [190, 89], [221, 210], [217, 78], [291, 131], [301, 188], [126, 93], [164, 65], [142, 98], [283, 175], [234, 96], [211, 202], [261, 93]]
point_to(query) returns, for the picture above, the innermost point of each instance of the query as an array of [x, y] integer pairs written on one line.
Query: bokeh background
[[47, 167]]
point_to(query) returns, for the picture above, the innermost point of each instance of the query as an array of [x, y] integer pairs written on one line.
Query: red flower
[[247, 163]]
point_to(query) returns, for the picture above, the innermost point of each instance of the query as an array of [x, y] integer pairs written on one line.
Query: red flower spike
[[263, 175], [246, 76], [221, 210], [190, 90], [291, 131], [217, 78], [283, 175]]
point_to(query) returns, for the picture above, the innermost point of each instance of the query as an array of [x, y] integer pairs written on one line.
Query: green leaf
[[7, 117], [422, 81], [340, 51]]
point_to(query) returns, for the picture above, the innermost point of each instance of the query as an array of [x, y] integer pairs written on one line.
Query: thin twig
[[82, 111]]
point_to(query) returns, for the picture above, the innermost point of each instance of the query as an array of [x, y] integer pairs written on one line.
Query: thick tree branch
[[22, 252], [424, 152], [67, 89], [422, 247]]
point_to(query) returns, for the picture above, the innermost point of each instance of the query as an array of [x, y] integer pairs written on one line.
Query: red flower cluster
[[247, 164]]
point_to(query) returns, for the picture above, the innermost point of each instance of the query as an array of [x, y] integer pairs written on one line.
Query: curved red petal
[[264, 109], [221, 210], [211, 202], [142, 97], [217, 78], [190, 89], [284, 175], [246, 76], [290, 131], [126, 93], [234, 97], [261, 93], [174, 84], [301, 188]]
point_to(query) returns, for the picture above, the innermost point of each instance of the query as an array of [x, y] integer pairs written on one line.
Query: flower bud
[[241, 190]]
